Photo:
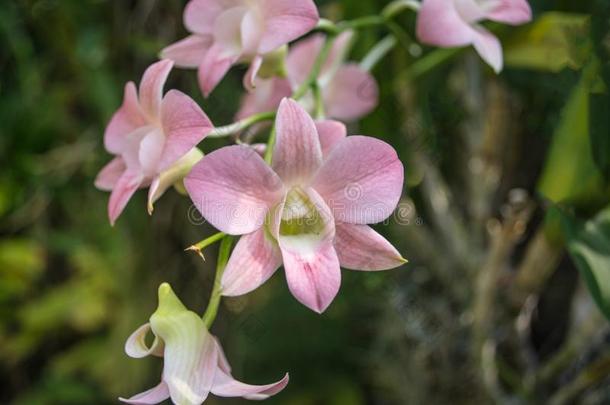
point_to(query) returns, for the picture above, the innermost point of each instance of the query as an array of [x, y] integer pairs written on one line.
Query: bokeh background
[[501, 173]]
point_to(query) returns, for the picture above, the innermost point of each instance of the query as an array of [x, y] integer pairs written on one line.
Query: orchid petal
[[214, 67], [361, 180], [331, 133], [266, 97], [439, 23], [110, 174], [489, 47], [233, 188], [351, 94], [126, 120], [512, 12], [125, 187], [136, 344], [250, 77], [151, 87], [305, 235], [285, 21], [172, 175], [255, 258], [297, 154], [359, 247], [153, 396], [184, 124], [200, 15], [252, 28], [223, 363], [188, 52], [150, 150], [190, 358], [226, 386]]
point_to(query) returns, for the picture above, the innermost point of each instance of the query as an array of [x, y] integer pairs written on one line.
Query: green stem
[[378, 52], [427, 63], [215, 297], [318, 101], [198, 247], [362, 22], [270, 145], [231, 129], [398, 6], [315, 69]]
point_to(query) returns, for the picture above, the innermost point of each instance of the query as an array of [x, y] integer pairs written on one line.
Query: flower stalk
[[223, 257]]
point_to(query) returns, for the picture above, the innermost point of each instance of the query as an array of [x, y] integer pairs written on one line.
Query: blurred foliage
[[72, 288]]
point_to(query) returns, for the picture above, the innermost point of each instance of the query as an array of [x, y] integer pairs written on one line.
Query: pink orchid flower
[[154, 139], [194, 362], [450, 23], [225, 32], [309, 211], [348, 91]]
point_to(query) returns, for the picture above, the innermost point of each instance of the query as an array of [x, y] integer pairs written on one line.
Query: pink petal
[[185, 125], [361, 180], [149, 153], [489, 47], [285, 21], [188, 52], [234, 188], [151, 87], [200, 15], [110, 174], [310, 261], [255, 258], [153, 396], [136, 346], [440, 24], [226, 386], [252, 27], [250, 76], [122, 192], [359, 247], [265, 97], [214, 67], [223, 363], [126, 120], [297, 154], [351, 94], [331, 133], [512, 12]]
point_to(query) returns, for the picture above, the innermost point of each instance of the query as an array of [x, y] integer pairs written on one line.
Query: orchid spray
[[303, 200]]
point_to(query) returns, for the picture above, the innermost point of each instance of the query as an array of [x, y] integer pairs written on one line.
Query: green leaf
[[589, 246], [551, 43], [599, 123]]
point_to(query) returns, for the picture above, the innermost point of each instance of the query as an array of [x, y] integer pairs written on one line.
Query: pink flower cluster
[[310, 207]]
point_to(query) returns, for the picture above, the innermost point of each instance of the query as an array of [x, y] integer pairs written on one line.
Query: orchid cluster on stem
[[303, 200]]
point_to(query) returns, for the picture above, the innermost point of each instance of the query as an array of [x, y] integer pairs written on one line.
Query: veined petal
[[185, 125], [110, 174], [439, 23], [255, 258], [122, 192], [226, 386], [297, 154], [361, 180], [190, 358], [359, 247], [331, 133], [489, 47], [153, 396], [188, 52], [234, 188], [200, 15], [214, 67], [512, 12], [285, 21], [151, 87], [351, 94], [136, 344], [171, 176], [125, 121], [305, 234]]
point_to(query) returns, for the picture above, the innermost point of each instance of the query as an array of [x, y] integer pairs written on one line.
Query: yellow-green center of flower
[[300, 215]]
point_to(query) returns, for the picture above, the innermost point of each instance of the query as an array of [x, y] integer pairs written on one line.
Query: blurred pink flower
[[154, 139], [194, 362], [309, 211], [348, 92], [225, 32], [450, 23]]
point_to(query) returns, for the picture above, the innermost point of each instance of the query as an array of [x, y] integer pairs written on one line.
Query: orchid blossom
[[309, 211], [194, 362], [347, 91], [225, 32], [154, 139], [450, 23]]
